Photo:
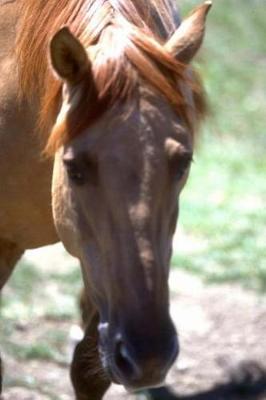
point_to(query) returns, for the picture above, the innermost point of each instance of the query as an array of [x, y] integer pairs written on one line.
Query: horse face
[[115, 192], [115, 202]]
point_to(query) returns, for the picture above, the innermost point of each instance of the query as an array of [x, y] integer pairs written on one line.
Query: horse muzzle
[[139, 362]]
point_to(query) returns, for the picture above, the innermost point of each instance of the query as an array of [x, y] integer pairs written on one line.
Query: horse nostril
[[124, 362]]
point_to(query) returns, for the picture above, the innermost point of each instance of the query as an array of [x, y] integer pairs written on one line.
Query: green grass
[[31, 292], [223, 205], [37, 303]]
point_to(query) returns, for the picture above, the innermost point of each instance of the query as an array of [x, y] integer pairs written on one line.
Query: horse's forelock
[[130, 46]]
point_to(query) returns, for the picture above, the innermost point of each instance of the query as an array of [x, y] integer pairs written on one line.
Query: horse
[[99, 112]]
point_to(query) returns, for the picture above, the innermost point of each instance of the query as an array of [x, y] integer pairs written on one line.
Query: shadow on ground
[[247, 382]]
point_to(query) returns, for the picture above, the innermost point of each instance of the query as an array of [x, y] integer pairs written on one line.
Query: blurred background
[[223, 208], [219, 262]]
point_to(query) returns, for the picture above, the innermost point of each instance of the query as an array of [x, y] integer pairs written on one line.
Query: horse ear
[[68, 56], [188, 38]]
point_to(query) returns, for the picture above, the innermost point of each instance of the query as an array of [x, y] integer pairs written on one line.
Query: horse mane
[[130, 35]]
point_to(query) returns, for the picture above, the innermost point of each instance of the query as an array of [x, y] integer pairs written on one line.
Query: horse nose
[[137, 370], [125, 364]]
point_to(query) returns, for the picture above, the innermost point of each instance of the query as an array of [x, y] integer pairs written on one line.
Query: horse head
[[117, 182]]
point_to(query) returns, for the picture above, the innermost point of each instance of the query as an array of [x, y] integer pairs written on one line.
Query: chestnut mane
[[130, 35]]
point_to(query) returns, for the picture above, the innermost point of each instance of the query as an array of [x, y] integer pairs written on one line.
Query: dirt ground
[[219, 326]]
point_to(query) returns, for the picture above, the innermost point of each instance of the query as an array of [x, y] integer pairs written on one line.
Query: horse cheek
[[64, 213]]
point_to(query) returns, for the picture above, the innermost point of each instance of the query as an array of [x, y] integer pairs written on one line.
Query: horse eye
[[181, 164], [74, 172], [180, 173]]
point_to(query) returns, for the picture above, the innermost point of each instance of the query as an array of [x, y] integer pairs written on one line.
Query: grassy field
[[223, 208]]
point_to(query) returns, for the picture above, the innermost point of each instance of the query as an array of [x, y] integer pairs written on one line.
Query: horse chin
[[131, 388]]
